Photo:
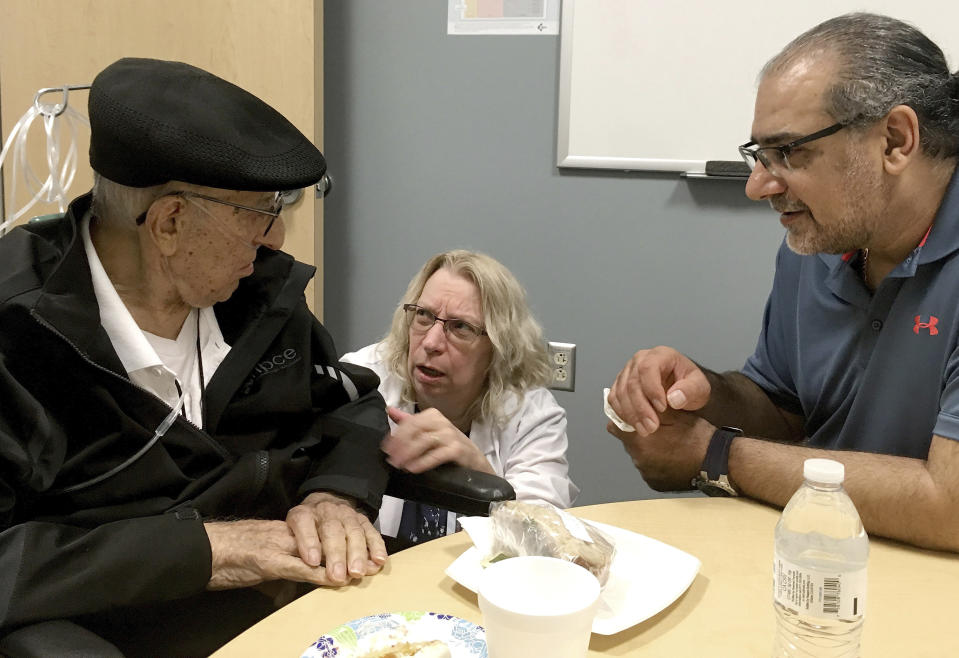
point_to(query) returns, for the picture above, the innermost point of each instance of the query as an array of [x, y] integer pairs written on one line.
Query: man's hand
[[652, 382], [247, 553], [328, 530], [669, 458], [425, 440]]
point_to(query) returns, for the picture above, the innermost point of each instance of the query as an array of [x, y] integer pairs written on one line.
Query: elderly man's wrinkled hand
[[424, 440], [251, 552], [329, 530], [654, 381], [669, 458]]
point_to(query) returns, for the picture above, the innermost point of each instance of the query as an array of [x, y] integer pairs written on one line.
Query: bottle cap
[[826, 471]]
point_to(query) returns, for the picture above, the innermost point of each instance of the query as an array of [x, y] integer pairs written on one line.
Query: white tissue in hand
[[613, 416]]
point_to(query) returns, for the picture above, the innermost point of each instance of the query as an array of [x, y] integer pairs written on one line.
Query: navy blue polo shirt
[[871, 372]]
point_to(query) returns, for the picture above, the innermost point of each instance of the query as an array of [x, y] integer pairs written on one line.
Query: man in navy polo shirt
[[855, 141]]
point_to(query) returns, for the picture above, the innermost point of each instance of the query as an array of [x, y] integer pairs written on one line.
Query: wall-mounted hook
[[60, 108], [324, 187]]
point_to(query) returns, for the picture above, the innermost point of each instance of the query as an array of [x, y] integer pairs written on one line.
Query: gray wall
[[438, 142]]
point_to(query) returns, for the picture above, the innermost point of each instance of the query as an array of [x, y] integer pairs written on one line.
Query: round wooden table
[[727, 611]]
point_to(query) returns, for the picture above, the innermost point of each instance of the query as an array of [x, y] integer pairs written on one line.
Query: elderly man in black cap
[[176, 433]]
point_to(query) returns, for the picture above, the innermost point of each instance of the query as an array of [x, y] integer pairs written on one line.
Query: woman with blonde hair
[[463, 370]]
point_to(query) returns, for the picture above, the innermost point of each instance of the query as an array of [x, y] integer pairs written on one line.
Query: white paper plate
[[645, 577], [464, 638]]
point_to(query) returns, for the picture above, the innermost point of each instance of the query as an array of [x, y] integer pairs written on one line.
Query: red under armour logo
[[931, 325]]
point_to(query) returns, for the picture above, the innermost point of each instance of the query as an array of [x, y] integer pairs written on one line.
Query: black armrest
[[451, 487], [58, 637]]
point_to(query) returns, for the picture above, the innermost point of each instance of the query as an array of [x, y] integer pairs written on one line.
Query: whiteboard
[[662, 85]]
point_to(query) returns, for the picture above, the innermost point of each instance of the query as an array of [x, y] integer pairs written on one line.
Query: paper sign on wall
[[476, 17]]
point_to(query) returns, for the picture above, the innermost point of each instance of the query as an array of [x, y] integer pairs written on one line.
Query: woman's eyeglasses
[[422, 320]]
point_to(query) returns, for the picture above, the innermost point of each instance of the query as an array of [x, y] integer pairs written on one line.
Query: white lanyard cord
[[161, 429]]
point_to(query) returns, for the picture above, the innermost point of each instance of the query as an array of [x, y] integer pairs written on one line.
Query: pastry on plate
[[430, 649]]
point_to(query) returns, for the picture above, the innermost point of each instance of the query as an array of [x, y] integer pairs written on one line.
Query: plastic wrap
[[523, 528]]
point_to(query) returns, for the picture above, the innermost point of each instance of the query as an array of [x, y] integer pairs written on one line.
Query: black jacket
[[279, 422]]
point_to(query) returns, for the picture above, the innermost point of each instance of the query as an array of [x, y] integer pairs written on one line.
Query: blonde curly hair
[[519, 361]]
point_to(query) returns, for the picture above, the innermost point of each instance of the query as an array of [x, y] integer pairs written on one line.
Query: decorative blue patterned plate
[[354, 638]]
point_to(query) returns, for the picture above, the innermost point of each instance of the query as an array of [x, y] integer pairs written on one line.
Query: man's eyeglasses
[[776, 158], [272, 212], [422, 320]]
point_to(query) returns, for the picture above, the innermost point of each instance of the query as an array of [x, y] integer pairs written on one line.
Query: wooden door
[[272, 48]]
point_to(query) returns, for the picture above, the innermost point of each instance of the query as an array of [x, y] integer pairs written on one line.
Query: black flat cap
[[153, 121]]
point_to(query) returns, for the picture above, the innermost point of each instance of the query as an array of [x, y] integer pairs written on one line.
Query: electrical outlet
[[562, 361]]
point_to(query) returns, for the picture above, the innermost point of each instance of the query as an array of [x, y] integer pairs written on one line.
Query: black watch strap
[[713, 477], [716, 462]]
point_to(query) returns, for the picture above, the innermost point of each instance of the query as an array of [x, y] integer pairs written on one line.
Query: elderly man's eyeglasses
[[272, 212], [422, 320], [776, 158], [276, 207]]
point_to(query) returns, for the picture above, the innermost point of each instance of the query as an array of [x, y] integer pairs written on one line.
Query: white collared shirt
[[160, 365]]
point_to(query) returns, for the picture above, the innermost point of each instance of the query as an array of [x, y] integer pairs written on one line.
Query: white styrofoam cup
[[537, 606]]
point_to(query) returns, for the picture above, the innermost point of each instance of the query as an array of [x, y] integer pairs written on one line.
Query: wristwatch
[[713, 478]]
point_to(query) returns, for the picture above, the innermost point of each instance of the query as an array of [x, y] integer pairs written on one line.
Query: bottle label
[[834, 595]]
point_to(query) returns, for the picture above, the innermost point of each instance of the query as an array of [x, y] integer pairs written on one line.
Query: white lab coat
[[529, 449]]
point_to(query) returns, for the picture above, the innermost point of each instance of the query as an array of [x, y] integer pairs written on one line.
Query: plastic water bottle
[[819, 568]]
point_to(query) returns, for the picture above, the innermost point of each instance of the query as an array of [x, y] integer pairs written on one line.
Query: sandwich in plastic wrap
[[525, 528]]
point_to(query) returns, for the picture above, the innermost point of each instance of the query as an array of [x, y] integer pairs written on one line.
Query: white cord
[[161, 429], [56, 120]]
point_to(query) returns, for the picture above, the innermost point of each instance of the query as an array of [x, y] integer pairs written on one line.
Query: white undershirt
[[157, 364]]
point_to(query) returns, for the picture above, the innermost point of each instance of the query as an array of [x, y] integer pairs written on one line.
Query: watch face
[[714, 488], [711, 489]]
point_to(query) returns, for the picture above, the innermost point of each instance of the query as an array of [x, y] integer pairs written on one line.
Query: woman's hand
[[425, 440]]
